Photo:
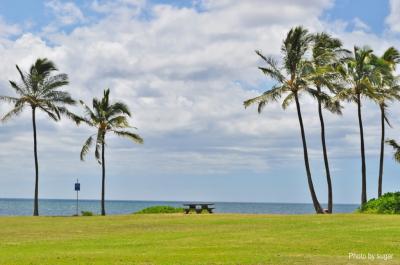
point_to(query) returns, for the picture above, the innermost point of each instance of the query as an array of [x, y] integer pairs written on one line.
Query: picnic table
[[198, 207]]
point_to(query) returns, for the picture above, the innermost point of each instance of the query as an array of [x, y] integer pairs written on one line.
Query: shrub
[[87, 213], [388, 203], [160, 209]]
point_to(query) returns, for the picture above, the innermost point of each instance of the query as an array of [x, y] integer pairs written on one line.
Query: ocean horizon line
[[172, 201]]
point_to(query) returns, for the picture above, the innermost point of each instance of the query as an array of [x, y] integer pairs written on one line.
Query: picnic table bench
[[198, 207]]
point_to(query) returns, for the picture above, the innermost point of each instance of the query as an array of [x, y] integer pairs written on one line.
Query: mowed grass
[[199, 239]]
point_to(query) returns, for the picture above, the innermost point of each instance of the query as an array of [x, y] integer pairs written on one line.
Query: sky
[[185, 68]]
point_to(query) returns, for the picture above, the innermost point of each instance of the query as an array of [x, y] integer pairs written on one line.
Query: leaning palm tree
[[105, 117], [38, 90], [387, 89], [291, 81], [359, 71], [326, 53]]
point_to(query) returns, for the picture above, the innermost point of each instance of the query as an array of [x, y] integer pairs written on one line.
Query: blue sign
[[77, 186]]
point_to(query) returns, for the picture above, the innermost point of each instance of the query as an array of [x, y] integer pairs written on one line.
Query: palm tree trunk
[[363, 166], [314, 198], [325, 153], [382, 150], [36, 200], [103, 166]]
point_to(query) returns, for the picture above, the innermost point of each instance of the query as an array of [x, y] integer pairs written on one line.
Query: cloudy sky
[[185, 68]]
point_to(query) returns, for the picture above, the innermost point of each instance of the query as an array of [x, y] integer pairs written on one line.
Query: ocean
[[56, 207]]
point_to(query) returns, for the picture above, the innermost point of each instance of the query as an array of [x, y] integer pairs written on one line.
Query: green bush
[[160, 209], [86, 213], [388, 203]]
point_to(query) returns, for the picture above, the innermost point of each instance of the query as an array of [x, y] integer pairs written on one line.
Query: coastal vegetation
[[311, 62], [388, 203], [200, 239], [160, 209], [87, 213]]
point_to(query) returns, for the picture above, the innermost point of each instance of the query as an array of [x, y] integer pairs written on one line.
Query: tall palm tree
[[291, 80], [326, 52], [105, 117], [387, 89], [38, 89], [359, 71]]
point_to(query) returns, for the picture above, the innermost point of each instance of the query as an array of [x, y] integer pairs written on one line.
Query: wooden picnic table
[[198, 207]]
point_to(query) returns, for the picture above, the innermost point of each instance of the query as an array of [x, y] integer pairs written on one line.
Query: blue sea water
[[56, 207]]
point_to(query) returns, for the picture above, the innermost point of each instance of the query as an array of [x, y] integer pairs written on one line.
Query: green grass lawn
[[199, 239]]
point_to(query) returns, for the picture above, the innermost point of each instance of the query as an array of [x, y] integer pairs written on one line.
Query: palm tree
[[105, 117], [38, 89], [326, 52], [387, 89], [359, 71], [291, 80]]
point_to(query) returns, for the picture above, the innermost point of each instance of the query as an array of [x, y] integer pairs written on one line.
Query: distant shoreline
[[173, 201], [67, 207]]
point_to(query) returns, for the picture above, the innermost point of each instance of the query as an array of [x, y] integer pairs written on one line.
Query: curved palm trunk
[[363, 166], [325, 154], [36, 200], [314, 198], [103, 179], [382, 150]]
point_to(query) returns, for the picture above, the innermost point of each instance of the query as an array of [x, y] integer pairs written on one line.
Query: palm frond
[[333, 106], [60, 97], [119, 122], [8, 99], [20, 90], [43, 67], [72, 116], [132, 136], [383, 106], [18, 108], [99, 141], [118, 108], [24, 80], [86, 147], [288, 100], [393, 143], [271, 70], [89, 111], [347, 94], [49, 106], [54, 116], [396, 148], [392, 55], [294, 47], [269, 96], [54, 82]]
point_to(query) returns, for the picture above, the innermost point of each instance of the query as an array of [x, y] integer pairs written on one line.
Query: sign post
[[77, 189]]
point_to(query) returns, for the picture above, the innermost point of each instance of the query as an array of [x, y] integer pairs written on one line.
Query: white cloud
[[65, 13], [360, 25], [118, 8], [393, 20], [7, 30]]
